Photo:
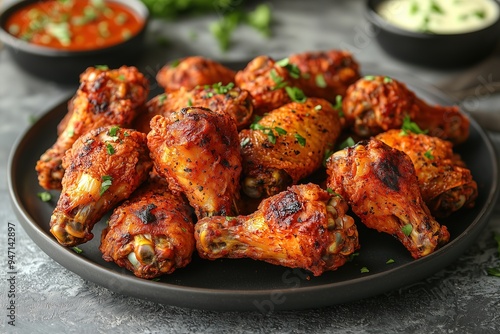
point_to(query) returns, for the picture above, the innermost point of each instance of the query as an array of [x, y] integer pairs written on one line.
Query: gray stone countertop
[[460, 298]]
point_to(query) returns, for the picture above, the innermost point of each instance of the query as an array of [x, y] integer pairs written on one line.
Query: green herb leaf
[[174, 63], [110, 149], [77, 250], [436, 8], [369, 77], [347, 143], [113, 131], [409, 126], [407, 229], [320, 81], [352, 256], [45, 196], [260, 19], [387, 79], [389, 261], [296, 94], [219, 88], [428, 154], [278, 80], [162, 98], [493, 271], [364, 270], [107, 181], [102, 67], [300, 139]]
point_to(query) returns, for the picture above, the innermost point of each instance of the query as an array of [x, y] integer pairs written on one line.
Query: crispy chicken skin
[[266, 81], [286, 145], [103, 168], [380, 185], [150, 234], [376, 104], [445, 184], [230, 100], [325, 74], [193, 71], [302, 227], [197, 151], [105, 97]]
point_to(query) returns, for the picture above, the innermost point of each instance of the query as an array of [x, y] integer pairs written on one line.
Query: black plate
[[247, 284]]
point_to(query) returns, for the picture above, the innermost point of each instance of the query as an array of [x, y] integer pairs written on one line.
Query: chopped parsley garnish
[[102, 67], [162, 98], [352, 256], [495, 271], [268, 131], [77, 250], [190, 102], [407, 229], [387, 79], [436, 8], [320, 81], [364, 270], [428, 154], [347, 143], [110, 149], [338, 105], [219, 88], [292, 69], [107, 181], [113, 131], [45, 196], [300, 139], [332, 192], [296, 94], [409, 126], [280, 131], [369, 77], [174, 63], [279, 81], [389, 261]]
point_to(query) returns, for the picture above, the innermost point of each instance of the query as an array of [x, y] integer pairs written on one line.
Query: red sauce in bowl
[[75, 25]]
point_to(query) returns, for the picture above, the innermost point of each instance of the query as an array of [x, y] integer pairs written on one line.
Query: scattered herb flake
[[162, 98], [364, 270], [45, 196], [369, 77], [296, 94], [300, 139], [113, 131], [77, 250], [347, 143], [436, 8], [279, 81], [190, 102], [320, 81], [110, 149], [102, 67], [407, 229], [280, 131], [387, 79], [409, 126], [107, 181], [428, 154], [493, 271], [389, 261]]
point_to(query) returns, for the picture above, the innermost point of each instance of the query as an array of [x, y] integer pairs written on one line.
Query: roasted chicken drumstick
[[375, 104], [197, 151], [105, 97], [150, 234], [228, 99], [445, 183], [191, 72], [286, 145], [380, 185], [302, 227], [103, 167], [325, 74]]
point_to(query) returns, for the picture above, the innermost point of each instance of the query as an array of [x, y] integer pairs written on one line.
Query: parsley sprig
[[409, 126]]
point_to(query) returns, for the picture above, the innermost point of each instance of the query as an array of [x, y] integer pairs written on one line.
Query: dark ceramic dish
[[251, 285], [434, 50], [65, 66]]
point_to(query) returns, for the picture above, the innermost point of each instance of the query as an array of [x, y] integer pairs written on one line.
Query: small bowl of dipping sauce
[[437, 33], [58, 39]]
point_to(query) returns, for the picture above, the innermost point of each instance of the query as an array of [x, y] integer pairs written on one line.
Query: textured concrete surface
[[461, 298]]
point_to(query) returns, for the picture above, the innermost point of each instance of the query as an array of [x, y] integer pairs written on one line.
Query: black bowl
[[65, 66], [434, 50]]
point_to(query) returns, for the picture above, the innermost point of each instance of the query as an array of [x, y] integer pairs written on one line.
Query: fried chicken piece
[[197, 151], [193, 71], [375, 104], [325, 74], [150, 234], [445, 184], [105, 97], [302, 227], [230, 100], [103, 167], [266, 81], [380, 185], [286, 145]]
